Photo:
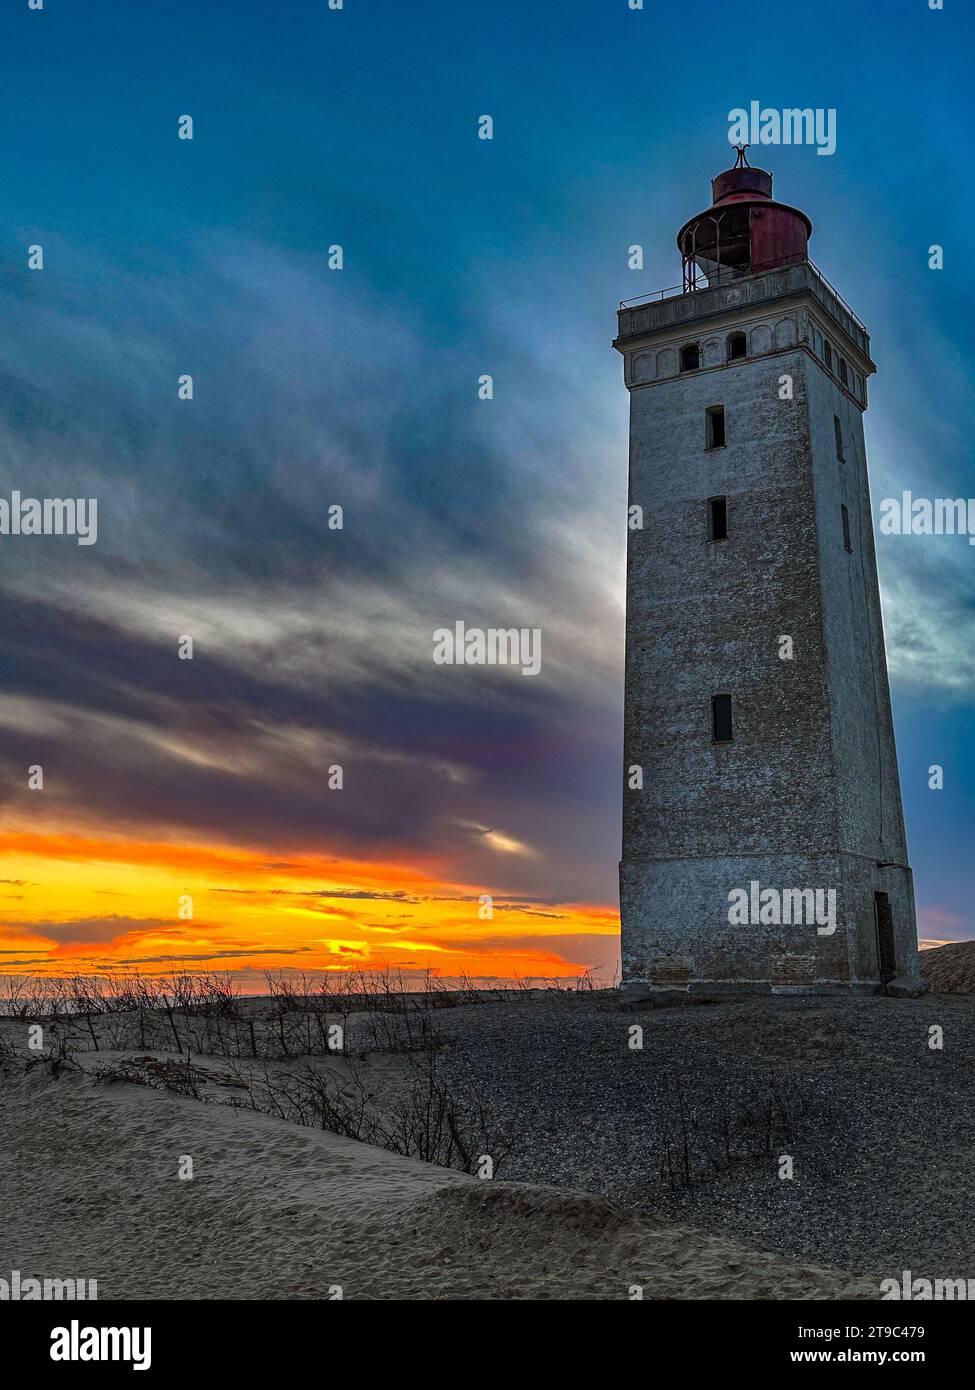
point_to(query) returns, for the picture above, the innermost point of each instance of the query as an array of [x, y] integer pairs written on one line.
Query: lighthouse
[[763, 834]]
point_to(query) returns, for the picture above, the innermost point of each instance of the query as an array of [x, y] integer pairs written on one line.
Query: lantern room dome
[[744, 231]]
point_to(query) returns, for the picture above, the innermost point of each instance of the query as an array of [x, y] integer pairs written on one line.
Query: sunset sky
[[316, 387]]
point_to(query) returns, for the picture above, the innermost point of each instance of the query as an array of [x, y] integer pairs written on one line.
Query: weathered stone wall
[[676, 931], [870, 822], [795, 801]]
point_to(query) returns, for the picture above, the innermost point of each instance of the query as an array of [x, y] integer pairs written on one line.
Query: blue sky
[[358, 127]]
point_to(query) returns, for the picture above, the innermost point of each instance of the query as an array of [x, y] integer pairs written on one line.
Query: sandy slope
[[89, 1190], [950, 969]]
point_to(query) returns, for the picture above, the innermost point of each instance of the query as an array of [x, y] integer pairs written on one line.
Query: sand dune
[[950, 969], [89, 1175]]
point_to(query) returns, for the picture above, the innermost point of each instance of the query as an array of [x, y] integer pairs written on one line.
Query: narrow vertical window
[[690, 357], [721, 719], [717, 518], [827, 355], [846, 528], [838, 431], [715, 427], [737, 346], [844, 374]]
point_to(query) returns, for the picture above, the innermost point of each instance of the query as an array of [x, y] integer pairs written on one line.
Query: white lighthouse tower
[[763, 836]]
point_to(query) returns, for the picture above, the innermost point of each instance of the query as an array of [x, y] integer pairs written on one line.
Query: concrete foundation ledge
[[700, 991], [906, 987]]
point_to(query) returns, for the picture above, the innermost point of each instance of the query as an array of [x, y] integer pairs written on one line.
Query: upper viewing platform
[[754, 285]]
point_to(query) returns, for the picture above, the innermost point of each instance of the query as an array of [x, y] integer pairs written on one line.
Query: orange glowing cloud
[[77, 903]]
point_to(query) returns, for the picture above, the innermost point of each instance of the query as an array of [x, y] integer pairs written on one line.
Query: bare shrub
[[56, 1057], [712, 1135]]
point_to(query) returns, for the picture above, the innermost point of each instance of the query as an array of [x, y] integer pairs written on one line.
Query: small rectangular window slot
[[717, 518], [721, 730], [715, 427]]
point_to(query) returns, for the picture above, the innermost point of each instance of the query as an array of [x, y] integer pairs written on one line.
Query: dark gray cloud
[[181, 957], [88, 929], [312, 647]]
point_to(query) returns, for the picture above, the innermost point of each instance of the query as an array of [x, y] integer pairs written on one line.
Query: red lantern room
[[744, 230]]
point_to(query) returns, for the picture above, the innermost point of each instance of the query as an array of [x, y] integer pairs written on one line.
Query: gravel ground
[[880, 1127]]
